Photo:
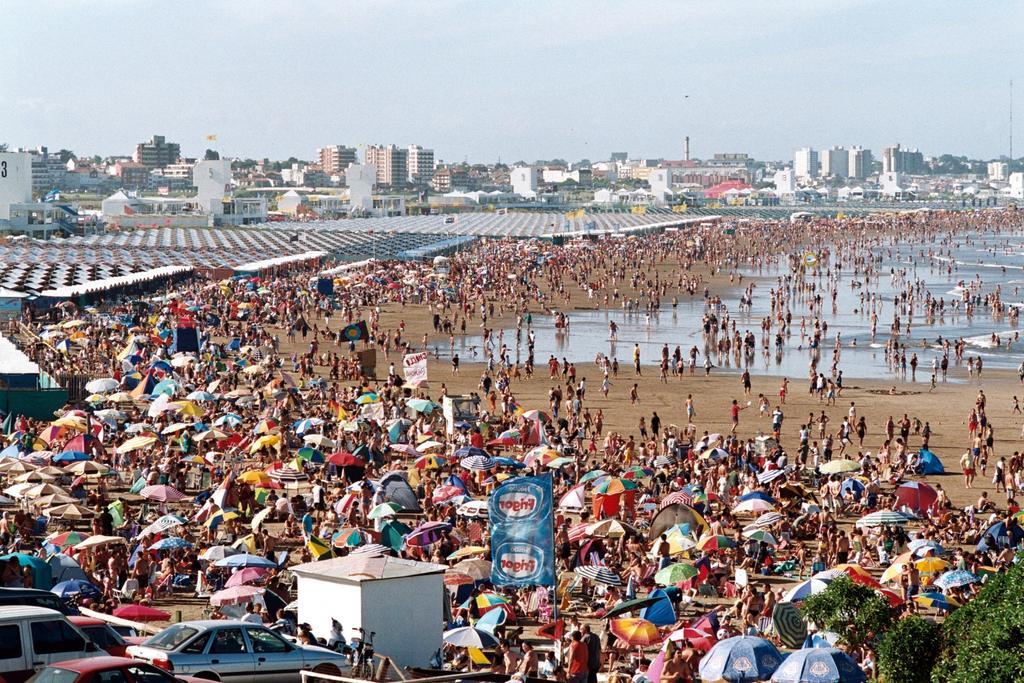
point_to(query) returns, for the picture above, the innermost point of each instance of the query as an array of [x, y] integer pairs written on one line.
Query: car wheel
[[327, 668], [207, 676]]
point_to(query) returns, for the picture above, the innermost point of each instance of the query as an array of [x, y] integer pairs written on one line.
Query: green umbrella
[[393, 534], [632, 606], [675, 573], [385, 510]]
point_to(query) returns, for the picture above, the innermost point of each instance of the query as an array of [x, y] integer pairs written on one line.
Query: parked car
[[31, 596], [101, 633], [234, 651], [33, 637], [105, 670]]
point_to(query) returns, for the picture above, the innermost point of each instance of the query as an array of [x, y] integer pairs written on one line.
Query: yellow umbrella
[[931, 565], [221, 517], [894, 570], [135, 443], [265, 441], [72, 422], [176, 427], [467, 551], [255, 478], [189, 408]]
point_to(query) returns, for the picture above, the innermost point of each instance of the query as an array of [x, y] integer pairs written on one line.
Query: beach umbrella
[[819, 665], [467, 551], [136, 443], [384, 510], [230, 419], [753, 506], [162, 524], [479, 463], [453, 579], [235, 595], [469, 451], [956, 579], [218, 552], [715, 542], [937, 601], [102, 385], [741, 658], [931, 565], [53, 499], [219, 517], [66, 539], [478, 568], [34, 477], [162, 493], [37, 490], [141, 613], [72, 511], [318, 441], [883, 518], [421, 405], [170, 543], [675, 573], [67, 589], [311, 455], [916, 495], [305, 424], [761, 536], [212, 434], [246, 575], [427, 533], [407, 449], [430, 462], [599, 574], [923, 546], [715, 454], [255, 478], [368, 397], [609, 528], [469, 636], [635, 632], [614, 485], [839, 466], [371, 550], [202, 396], [857, 573], [245, 560], [693, 636], [99, 540], [174, 428], [806, 589], [894, 570], [788, 624], [633, 606]]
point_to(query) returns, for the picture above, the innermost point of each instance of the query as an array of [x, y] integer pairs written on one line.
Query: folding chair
[[127, 591]]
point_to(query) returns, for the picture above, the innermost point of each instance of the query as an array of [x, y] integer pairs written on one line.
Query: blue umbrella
[[246, 560], [304, 425], [955, 579], [170, 543], [922, 546], [742, 658], [67, 589], [12, 451], [819, 665], [469, 451], [71, 456], [509, 462], [758, 495], [167, 386], [228, 419]]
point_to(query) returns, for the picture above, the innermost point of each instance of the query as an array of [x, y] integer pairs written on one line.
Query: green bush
[[857, 613], [909, 650], [984, 639]]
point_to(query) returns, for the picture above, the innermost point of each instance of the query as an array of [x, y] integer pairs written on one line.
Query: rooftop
[[357, 569]]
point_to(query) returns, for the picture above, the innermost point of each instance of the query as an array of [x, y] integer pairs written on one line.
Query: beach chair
[[127, 591]]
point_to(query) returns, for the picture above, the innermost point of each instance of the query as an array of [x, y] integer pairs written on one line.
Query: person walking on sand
[[967, 467], [734, 411]]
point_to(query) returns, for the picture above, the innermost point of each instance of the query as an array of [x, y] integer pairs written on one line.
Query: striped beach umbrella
[[599, 574]]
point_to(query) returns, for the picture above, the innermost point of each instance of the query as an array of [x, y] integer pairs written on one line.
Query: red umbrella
[[141, 613], [916, 495], [342, 459]]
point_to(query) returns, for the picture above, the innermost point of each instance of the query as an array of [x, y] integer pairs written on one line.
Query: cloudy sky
[[483, 80]]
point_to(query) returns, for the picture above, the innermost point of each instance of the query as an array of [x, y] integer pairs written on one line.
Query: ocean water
[[977, 262]]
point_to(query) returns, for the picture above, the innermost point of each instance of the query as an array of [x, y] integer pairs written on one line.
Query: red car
[[102, 669], [101, 633]]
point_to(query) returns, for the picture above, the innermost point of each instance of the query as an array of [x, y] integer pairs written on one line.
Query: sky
[[483, 80]]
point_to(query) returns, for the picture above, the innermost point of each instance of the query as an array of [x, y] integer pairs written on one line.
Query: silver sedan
[[234, 652]]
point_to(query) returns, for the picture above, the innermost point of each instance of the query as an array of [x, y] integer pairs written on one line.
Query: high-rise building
[[391, 162], [805, 163], [156, 153], [334, 159], [860, 163], [421, 164], [895, 159], [998, 170], [835, 161]]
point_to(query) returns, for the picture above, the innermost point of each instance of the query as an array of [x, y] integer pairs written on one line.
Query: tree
[[857, 613], [909, 651], [984, 639]]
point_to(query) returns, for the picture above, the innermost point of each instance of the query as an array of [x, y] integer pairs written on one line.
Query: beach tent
[[65, 568], [930, 463], [1000, 536], [397, 490], [42, 573]]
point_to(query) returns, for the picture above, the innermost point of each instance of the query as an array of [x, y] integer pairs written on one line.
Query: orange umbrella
[[635, 632]]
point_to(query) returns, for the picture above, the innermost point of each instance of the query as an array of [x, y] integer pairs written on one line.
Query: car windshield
[[171, 637]]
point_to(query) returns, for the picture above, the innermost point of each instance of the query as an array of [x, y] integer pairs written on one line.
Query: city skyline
[[482, 81]]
